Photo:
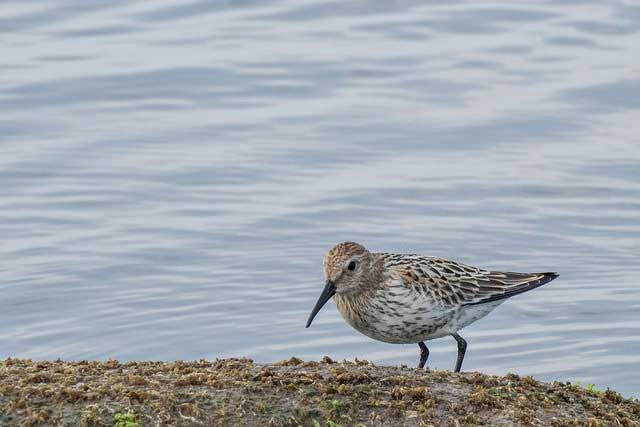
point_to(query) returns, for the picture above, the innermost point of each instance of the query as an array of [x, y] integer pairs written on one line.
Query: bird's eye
[[352, 265]]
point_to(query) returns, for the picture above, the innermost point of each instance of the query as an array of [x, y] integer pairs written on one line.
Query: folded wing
[[452, 283]]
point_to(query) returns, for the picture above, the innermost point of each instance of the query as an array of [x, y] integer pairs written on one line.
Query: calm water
[[171, 174]]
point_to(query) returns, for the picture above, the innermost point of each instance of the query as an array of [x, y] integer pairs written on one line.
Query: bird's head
[[347, 270]]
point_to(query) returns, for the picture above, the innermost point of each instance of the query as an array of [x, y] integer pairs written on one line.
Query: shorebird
[[405, 299]]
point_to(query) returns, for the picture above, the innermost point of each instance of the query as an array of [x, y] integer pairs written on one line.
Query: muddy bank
[[238, 392]]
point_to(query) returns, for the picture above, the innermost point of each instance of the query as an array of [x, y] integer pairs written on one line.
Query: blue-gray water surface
[[172, 172]]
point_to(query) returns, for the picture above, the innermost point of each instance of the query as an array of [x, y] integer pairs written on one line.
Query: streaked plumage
[[404, 298]]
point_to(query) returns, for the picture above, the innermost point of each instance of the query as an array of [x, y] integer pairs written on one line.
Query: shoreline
[[230, 392]]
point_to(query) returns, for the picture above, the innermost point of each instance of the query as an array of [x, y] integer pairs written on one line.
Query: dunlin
[[403, 299]]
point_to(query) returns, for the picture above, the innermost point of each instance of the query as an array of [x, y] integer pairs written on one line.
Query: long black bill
[[328, 291]]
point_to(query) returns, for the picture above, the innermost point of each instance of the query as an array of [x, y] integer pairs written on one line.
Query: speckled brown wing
[[451, 283]]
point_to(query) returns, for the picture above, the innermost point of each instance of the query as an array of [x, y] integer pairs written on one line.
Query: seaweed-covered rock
[[238, 392]]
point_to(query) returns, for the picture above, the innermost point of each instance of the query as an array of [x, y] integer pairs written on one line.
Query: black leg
[[462, 348], [424, 354]]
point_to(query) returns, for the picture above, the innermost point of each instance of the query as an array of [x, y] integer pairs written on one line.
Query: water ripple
[[172, 174]]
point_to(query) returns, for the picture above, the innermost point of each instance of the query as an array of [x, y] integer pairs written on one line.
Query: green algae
[[125, 420]]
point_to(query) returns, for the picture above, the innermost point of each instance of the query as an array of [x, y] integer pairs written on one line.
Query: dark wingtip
[[546, 278], [550, 275]]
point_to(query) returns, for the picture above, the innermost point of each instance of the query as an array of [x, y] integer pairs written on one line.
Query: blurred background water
[[171, 174]]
